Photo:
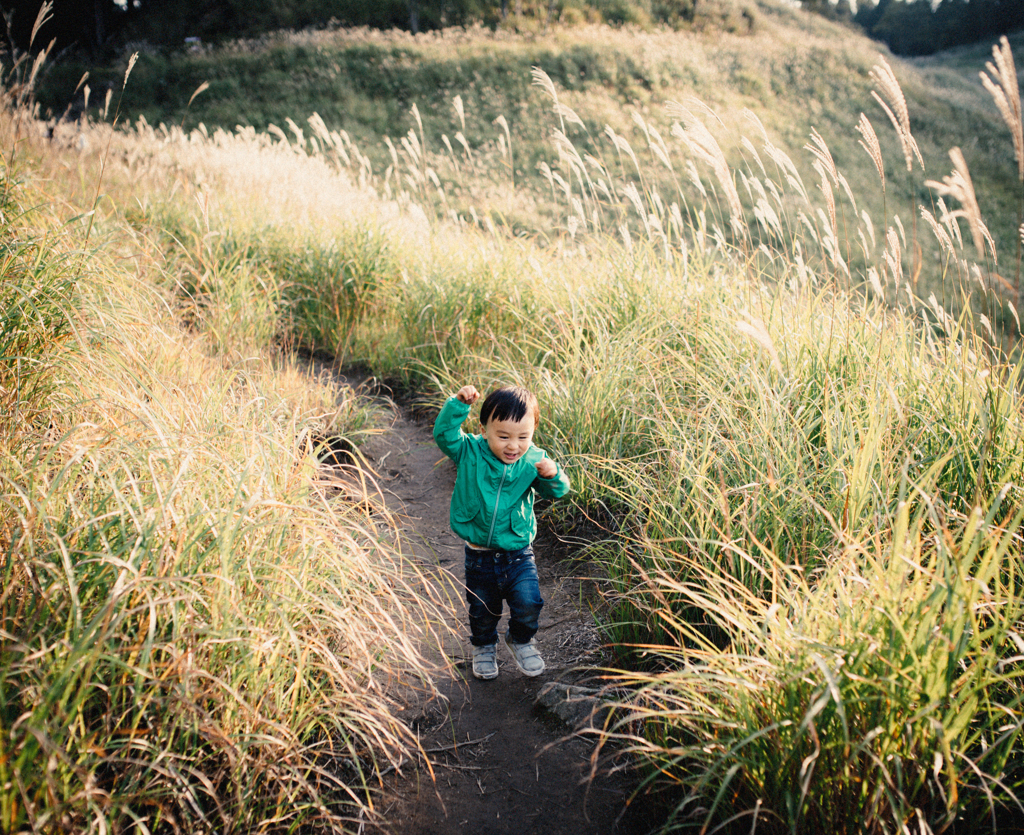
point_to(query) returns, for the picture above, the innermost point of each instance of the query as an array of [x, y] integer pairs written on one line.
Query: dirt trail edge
[[500, 762]]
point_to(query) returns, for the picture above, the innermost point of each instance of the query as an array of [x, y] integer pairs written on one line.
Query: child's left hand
[[546, 468]]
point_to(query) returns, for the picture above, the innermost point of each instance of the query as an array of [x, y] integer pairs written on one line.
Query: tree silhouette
[[915, 28], [84, 24]]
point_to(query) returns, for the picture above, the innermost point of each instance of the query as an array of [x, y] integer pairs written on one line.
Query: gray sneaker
[[485, 661], [526, 656]]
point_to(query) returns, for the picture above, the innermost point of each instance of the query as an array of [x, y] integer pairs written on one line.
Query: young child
[[498, 474]]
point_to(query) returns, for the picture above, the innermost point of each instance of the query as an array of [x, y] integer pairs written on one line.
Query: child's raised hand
[[546, 468], [468, 395]]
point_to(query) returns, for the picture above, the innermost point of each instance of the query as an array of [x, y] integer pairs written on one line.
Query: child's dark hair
[[510, 403]]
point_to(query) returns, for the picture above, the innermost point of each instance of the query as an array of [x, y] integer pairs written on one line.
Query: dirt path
[[500, 763]]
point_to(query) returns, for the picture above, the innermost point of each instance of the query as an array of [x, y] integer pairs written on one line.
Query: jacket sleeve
[[553, 488], [448, 432]]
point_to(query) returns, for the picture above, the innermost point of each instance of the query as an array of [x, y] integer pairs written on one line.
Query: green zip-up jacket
[[492, 503]]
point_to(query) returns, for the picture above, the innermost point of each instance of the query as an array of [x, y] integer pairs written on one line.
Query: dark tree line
[[909, 27], [91, 25], [915, 28], [84, 23]]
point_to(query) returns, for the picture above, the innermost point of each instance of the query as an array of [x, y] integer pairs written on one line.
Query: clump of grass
[[882, 693], [36, 298], [1000, 79], [200, 626]]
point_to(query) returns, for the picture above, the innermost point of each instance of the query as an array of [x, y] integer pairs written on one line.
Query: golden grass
[[723, 401], [1000, 79], [200, 622], [958, 185]]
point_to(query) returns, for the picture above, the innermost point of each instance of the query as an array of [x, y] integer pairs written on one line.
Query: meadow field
[[483, 127], [789, 401]]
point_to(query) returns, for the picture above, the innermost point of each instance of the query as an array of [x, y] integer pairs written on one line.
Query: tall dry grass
[[800, 477], [201, 627], [1000, 79]]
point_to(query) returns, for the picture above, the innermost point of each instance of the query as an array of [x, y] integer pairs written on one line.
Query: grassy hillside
[[197, 620], [795, 71], [796, 463]]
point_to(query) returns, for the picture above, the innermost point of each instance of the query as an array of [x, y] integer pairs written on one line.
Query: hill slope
[[795, 71]]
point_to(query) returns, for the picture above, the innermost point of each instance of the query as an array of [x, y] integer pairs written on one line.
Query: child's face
[[509, 439]]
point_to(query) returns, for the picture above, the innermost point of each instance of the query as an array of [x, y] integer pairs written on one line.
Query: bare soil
[[495, 762]]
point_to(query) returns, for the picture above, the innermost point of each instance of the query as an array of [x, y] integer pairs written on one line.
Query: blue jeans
[[496, 576]]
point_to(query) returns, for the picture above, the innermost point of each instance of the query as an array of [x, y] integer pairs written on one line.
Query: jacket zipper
[[497, 499]]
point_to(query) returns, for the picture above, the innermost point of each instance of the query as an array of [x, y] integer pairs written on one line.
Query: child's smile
[[509, 439]]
